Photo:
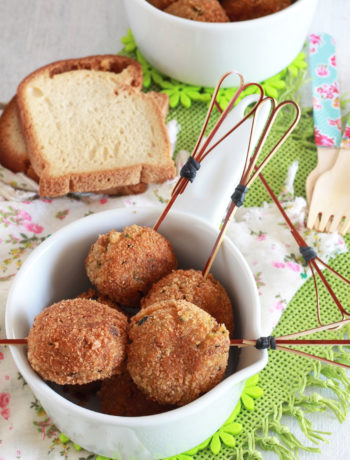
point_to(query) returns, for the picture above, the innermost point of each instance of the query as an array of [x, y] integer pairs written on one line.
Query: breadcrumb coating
[[207, 293], [77, 341], [177, 351], [240, 10], [161, 4], [198, 10], [124, 265]]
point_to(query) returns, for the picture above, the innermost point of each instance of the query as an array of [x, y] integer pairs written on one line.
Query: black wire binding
[[239, 194], [189, 169], [264, 343], [308, 253]]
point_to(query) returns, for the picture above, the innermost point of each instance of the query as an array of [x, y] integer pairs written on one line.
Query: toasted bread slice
[[14, 155], [87, 131], [13, 151]]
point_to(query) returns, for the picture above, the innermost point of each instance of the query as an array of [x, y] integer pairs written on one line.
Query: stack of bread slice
[[84, 125]]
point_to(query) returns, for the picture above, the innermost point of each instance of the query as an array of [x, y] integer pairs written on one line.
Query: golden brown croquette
[[240, 10], [124, 265], [198, 10], [177, 351], [207, 293], [161, 4], [77, 341]]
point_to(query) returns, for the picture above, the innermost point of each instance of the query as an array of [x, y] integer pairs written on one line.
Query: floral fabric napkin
[[26, 220]]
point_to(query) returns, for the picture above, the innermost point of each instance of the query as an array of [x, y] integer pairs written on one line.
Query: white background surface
[[36, 32]]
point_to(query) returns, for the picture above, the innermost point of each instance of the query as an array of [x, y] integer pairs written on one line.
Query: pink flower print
[[279, 306], [103, 200], [35, 228], [4, 400], [323, 139], [46, 200], [347, 132], [336, 122], [278, 264], [322, 71], [315, 39], [23, 215], [261, 237], [316, 104], [333, 61], [62, 214], [313, 50], [5, 413], [293, 266], [1, 355], [328, 91]]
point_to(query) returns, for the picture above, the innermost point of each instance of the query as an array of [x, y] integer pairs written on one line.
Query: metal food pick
[[252, 169], [188, 171]]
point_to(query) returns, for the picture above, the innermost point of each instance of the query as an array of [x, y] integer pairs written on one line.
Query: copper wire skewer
[[251, 171], [200, 152], [13, 341]]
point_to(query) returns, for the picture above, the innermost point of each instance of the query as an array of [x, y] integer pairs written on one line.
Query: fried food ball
[[161, 4], [124, 265], [198, 10], [177, 351], [120, 396], [240, 10], [92, 294], [207, 293], [77, 341]]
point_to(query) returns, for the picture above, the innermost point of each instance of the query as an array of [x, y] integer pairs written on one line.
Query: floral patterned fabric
[[325, 90]]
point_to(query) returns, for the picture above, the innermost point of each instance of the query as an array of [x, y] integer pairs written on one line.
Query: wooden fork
[[330, 205]]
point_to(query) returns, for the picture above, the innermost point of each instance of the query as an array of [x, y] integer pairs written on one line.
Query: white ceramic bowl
[[55, 270], [200, 52]]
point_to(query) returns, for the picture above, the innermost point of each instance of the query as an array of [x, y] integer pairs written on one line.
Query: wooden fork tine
[[334, 223], [325, 217], [344, 226], [313, 218]]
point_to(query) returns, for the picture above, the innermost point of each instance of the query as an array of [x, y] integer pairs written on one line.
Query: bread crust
[[13, 157], [16, 158]]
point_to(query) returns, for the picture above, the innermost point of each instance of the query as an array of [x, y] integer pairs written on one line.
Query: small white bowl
[[199, 53], [55, 270]]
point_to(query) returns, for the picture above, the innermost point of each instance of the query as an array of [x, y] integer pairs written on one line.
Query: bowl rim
[[132, 422], [188, 23]]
